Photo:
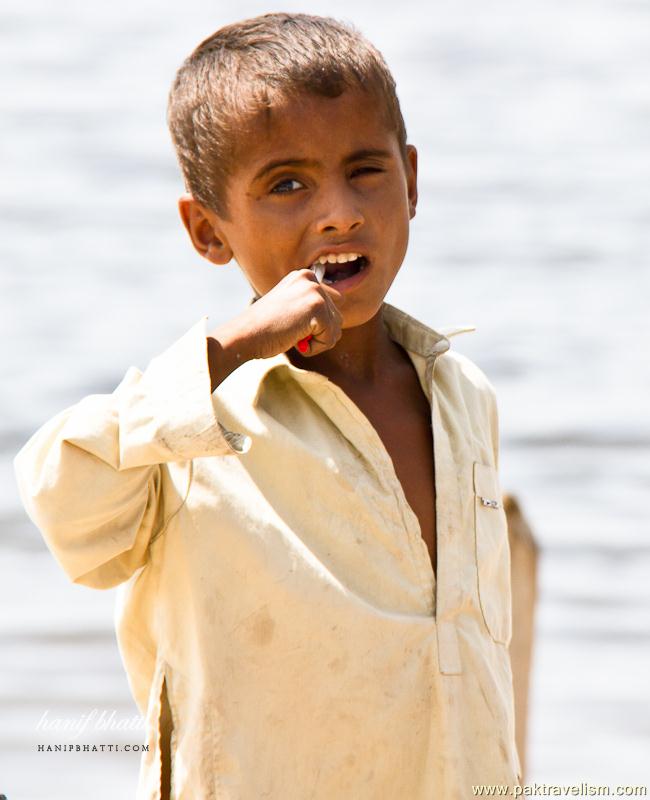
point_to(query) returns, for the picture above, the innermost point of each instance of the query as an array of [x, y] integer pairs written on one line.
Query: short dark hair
[[243, 67]]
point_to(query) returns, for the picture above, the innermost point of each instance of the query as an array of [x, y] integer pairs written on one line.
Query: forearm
[[229, 346]]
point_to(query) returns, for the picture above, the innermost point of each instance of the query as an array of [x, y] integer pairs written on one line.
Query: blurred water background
[[532, 120]]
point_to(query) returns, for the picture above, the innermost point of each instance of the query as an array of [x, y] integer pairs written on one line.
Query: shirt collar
[[243, 387]]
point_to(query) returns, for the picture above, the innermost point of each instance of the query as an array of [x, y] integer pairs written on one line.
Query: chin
[[354, 317]]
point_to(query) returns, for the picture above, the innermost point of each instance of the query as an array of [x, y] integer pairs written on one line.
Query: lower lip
[[347, 284]]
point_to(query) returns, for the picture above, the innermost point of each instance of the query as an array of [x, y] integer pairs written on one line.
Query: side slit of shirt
[[165, 726]]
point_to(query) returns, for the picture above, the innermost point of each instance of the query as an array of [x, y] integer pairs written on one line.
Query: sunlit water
[[532, 120]]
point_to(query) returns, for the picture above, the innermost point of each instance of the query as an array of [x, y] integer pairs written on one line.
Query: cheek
[[391, 214], [390, 200], [278, 228], [265, 235]]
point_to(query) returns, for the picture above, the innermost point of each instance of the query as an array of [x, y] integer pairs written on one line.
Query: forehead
[[310, 125]]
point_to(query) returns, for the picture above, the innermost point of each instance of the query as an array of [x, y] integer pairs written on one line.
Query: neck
[[363, 355]]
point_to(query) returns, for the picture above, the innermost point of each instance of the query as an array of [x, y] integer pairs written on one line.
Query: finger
[[334, 312], [332, 333], [338, 298], [333, 297], [321, 333], [309, 273]]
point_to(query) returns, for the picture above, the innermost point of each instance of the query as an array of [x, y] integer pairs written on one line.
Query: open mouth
[[342, 270]]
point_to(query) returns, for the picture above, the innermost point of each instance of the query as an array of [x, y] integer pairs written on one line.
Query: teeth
[[337, 258]]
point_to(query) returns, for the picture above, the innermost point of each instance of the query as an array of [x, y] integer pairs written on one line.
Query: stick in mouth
[[319, 271]]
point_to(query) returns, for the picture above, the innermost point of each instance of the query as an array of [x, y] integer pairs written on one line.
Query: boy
[[302, 506]]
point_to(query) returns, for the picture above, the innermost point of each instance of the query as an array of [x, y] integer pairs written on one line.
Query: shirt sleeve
[[90, 478]]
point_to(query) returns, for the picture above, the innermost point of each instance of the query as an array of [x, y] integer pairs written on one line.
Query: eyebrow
[[358, 155]]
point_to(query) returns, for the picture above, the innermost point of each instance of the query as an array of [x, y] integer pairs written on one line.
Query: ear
[[204, 230], [412, 178]]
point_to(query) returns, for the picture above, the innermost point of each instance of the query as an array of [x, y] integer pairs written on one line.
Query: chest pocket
[[492, 554]]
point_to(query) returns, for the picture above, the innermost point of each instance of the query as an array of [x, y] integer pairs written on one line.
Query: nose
[[339, 211]]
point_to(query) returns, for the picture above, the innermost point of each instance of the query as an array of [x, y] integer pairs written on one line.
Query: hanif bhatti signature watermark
[[95, 720]]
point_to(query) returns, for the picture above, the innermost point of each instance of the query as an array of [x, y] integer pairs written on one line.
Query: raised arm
[[90, 478]]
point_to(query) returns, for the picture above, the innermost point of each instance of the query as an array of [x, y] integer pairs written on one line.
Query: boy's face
[[317, 173]]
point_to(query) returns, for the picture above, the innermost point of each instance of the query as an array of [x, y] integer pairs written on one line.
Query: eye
[[287, 186], [367, 170]]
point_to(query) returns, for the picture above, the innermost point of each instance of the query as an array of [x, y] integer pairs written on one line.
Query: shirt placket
[[361, 433], [448, 517]]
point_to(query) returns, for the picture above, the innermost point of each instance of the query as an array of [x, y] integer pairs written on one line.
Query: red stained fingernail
[[303, 344]]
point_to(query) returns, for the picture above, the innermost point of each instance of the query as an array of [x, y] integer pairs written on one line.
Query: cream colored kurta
[[274, 575]]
